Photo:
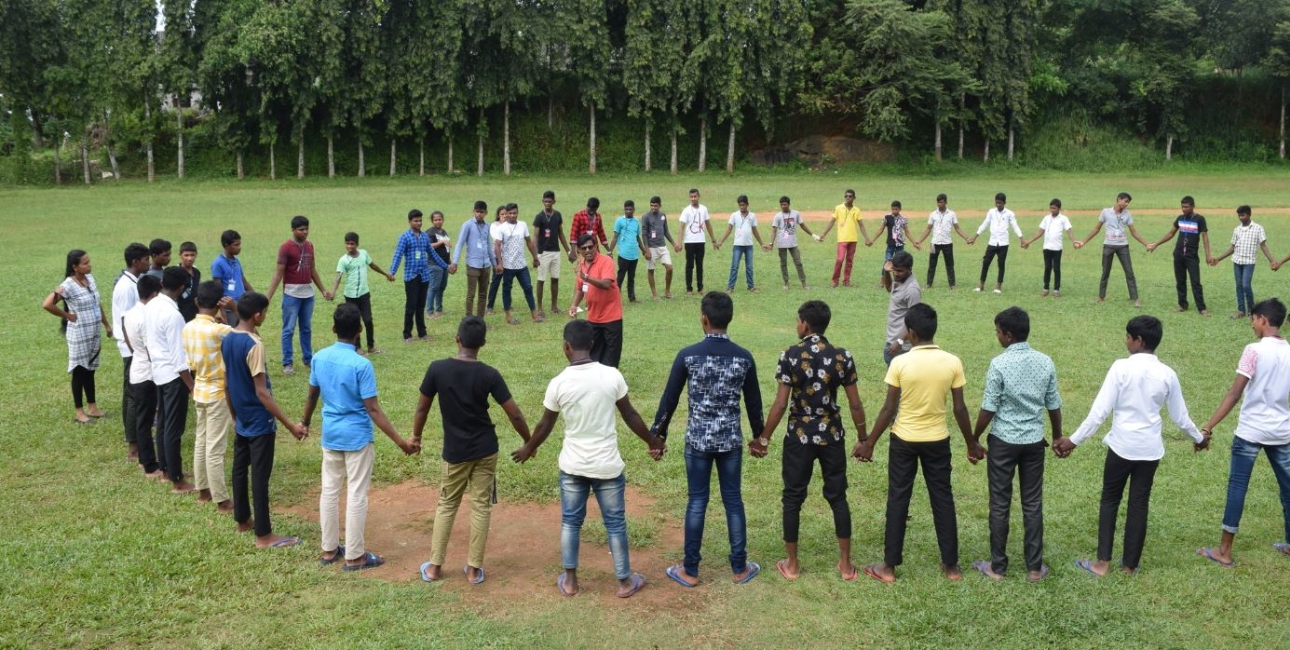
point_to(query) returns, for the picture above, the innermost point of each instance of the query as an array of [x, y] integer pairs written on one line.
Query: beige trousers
[[209, 447], [353, 468], [479, 478]]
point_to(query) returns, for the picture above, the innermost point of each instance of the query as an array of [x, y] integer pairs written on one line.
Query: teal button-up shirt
[[1020, 385]]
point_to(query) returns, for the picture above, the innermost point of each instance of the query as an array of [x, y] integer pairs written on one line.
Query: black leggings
[[83, 385]]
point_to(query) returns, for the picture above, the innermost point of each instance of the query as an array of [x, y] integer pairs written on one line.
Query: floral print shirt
[[814, 369]]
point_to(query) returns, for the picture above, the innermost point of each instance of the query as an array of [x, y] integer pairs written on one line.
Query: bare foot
[[568, 584], [431, 572], [1179, 310], [244, 526], [224, 507], [848, 570], [952, 572], [881, 572], [273, 540], [1137, 303], [133, 454], [1100, 301], [204, 496], [157, 474], [788, 569], [183, 487]]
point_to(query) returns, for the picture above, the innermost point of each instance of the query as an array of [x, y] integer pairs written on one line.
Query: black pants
[[937, 250], [127, 402], [1027, 462], [902, 467], [173, 409], [145, 411], [492, 290], [1126, 263], [990, 253], [1115, 474], [255, 453], [414, 306], [694, 262], [607, 342], [798, 464], [1184, 266], [1053, 269], [627, 270], [364, 303], [83, 384]]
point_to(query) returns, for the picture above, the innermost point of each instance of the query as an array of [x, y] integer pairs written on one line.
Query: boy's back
[[925, 375], [815, 369], [203, 340], [585, 395], [1134, 391], [463, 389], [718, 371], [345, 379], [1265, 413], [243, 355]]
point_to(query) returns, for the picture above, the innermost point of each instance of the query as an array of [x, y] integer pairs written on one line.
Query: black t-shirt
[[548, 231], [445, 251], [188, 299], [1189, 230], [463, 389]]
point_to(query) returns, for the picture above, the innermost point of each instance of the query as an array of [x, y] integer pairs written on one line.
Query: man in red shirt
[[588, 222], [604, 301], [298, 276]]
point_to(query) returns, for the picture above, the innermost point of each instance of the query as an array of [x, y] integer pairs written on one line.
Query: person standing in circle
[[604, 301], [81, 314]]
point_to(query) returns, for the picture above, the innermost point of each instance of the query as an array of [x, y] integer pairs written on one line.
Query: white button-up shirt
[[124, 296], [998, 221], [1132, 394], [165, 334]]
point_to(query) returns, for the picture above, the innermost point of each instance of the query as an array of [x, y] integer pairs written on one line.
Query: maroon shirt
[[297, 260]]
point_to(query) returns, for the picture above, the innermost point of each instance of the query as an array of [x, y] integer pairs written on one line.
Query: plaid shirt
[[416, 248], [202, 340], [584, 223], [1245, 243]]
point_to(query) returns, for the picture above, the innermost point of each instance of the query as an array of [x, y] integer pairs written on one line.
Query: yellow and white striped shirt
[[202, 339]]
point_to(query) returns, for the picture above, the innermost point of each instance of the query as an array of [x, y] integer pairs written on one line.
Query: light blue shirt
[[628, 230], [474, 236], [1019, 386], [345, 380]]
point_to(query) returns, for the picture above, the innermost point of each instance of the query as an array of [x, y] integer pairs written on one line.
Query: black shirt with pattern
[[815, 369]]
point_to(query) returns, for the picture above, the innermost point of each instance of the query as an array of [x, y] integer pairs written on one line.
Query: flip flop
[[783, 571], [753, 570], [674, 572], [370, 560], [855, 573], [559, 583], [638, 581], [1043, 573], [872, 571], [1282, 548], [340, 555], [1087, 565], [1208, 554], [426, 576], [984, 567], [476, 581], [284, 542]]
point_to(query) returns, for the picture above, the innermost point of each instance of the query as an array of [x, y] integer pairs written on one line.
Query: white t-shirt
[[998, 222], [1265, 413], [743, 225], [942, 225], [512, 236], [135, 325], [692, 220], [1054, 228], [785, 225], [1117, 226], [586, 396]]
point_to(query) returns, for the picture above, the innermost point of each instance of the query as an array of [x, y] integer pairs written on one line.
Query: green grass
[[93, 558]]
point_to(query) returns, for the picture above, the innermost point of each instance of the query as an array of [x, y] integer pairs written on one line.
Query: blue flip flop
[[340, 555], [1208, 554], [1282, 548], [674, 572], [1087, 565], [370, 561], [285, 541], [638, 581], [753, 570], [476, 581], [560, 582], [426, 576]]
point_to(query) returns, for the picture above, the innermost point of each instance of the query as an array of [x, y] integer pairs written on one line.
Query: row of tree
[[272, 72]]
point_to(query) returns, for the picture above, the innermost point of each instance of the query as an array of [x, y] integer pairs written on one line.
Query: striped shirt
[[203, 338], [1245, 243], [415, 246]]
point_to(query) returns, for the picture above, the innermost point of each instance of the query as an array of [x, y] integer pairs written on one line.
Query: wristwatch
[[763, 442]]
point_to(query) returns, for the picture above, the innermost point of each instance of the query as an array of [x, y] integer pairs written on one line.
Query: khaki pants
[[355, 469], [479, 478], [476, 283], [209, 447]]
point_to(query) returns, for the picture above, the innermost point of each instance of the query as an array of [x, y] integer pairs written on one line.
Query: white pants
[[354, 468]]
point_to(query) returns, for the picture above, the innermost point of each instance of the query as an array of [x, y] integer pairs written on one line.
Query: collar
[[348, 346], [205, 317], [925, 346], [715, 335], [814, 338], [1021, 346]]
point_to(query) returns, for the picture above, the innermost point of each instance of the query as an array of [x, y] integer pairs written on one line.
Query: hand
[[1079, 244], [390, 276], [895, 349], [497, 269], [299, 430], [647, 255], [918, 246], [757, 449], [976, 452], [1025, 244], [657, 454], [766, 247], [1214, 262], [716, 246], [413, 448], [328, 295], [536, 263], [1151, 248], [572, 256], [868, 242], [1062, 447], [573, 311], [71, 317], [678, 248], [1203, 444], [863, 450], [109, 333], [817, 238], [1276, 266], [522, 454]]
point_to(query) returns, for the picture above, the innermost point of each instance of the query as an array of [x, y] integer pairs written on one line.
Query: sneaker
[[288, 370], [1057, 294], [977, 290], [786, 287], [998, 291], [1043, 294]]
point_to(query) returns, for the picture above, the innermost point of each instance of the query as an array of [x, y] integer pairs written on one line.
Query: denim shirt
[[717, 372]]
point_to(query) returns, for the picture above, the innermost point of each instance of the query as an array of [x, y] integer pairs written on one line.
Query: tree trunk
[[550, 112], [591, 165], [703, 144], [1169, 147], [962, 105], [985, 157], [362, 160], [960, 142], [479, 163], [506, 139], [647, 149], [147, 118], [938, 142], [273, 162], [1282, 149], [673, 150], [422, 166], [300, 157], [1011, 140], [393, 157], [179, 137], [241, 171], [58, 162], [111, 150], [331, 155], [450, 168], [85, 157], [730, 150]]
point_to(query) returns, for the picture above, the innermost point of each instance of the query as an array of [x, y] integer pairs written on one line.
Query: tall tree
[[584, 25], [653, 64]]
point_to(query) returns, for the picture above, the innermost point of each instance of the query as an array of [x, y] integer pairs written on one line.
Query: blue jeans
[[438, 281], [698, 473], [574, 491], [1244, 453], [745, 252], [892, 250], [297, 310], [526, 283], [1244, 291]]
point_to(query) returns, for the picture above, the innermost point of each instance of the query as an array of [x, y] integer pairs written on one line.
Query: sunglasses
[[587, 248]]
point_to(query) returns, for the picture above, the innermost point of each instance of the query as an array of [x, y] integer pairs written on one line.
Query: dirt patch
[[825, 215], [523, 558]]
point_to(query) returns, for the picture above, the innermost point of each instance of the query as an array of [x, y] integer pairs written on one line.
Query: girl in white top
[[1051, 228]]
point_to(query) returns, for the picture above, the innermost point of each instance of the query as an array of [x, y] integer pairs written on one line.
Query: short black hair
[[896, 204], [921, 320], [902, 260], [1188, 200], [228, 238], [579, 334], [148, 286], [1014, 321], [1123, 195], [188, 247], [942, 197], [584, 239], [250, 304], [548, 195], [1244, 209], [785, 199], [1001, 197], [347, 320], [1056, 202], [1271, 309], [629, 203], [158, 246], [209, 294], [473, 332], [174, 278], [719, 309], [299, 221], [414, 214], [1147, 328], [593, 204], [512, 206], [742, 198], [481, 205], [816, 314], [135, 252], [655, 199], [351, 236], [694, 190]]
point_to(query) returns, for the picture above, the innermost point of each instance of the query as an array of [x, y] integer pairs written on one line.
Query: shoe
[[977, 290], [288, 370], [998, 291]]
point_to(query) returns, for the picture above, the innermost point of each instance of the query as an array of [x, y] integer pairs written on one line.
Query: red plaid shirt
[[584, 223]]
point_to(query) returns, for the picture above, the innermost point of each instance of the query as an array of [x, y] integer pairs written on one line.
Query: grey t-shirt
[[903, 296], [1117, 226], [654, 228], [785, 226]]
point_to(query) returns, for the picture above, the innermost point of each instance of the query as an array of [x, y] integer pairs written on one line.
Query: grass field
[[94, 556]]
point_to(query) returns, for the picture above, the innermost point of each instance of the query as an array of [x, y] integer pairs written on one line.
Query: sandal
[[370, 560], [337, 555]]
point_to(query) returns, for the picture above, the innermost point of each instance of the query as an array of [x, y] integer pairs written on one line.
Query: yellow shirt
[[924, 376], [848, 223], [202, 339]]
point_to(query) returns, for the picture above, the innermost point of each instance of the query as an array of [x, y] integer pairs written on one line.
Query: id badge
[[653, 234], [548, 233], [417, 256], [232, 286], [586, 287]]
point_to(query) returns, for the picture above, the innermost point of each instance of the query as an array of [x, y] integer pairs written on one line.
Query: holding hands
[[1062, 447], [863, 450]]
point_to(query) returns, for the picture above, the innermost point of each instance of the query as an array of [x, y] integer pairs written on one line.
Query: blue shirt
[[415, 246], [628, 229], [717, 372], [1019, 386], [478, 241], [252, 418], [344, 379], [229, 274]]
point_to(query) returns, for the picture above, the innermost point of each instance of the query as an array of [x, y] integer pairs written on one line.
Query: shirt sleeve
[[461, 239], [1016, 227], [960, 379], [993, 388], [1249, 362], [752, 398], [1102, 406], [620, 385], [849, 375], [340, 264], [255, 360], [985, 223], [398, 253], [501, 394], [428, 384], [784, 369], [1052, 398], [671, 395], [551, 400], [366, 381], [282, 254], [892, 378], [1178, 410]]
